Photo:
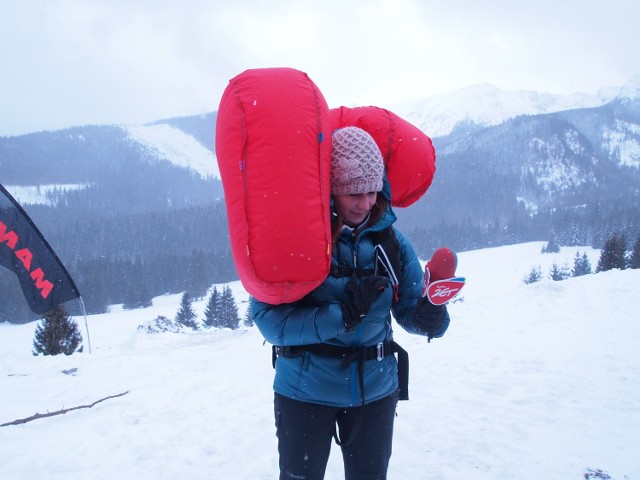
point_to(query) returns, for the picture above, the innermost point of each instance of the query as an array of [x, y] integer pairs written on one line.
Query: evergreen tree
[[551, 247], [557, 274], [212, 310], [634, 258], [58, 333], [138, 294], [621, 252], [535, 275], [613, 254], [229, 310], [197, 281], [581, 265], [186, 316], [248, 316]]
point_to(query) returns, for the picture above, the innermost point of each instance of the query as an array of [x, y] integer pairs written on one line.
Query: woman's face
[[354, 208]]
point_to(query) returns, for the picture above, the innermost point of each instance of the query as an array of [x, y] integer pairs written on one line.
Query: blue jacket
[[317, 318]]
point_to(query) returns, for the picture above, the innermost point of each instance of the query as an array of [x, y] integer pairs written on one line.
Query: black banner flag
[[44, 280]]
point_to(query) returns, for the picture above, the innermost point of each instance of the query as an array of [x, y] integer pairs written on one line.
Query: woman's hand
[[362, 297]]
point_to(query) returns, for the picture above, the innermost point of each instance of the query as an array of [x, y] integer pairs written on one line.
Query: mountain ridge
[[486, 105]]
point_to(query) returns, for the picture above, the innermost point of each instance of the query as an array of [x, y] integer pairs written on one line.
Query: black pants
[[305, 431]]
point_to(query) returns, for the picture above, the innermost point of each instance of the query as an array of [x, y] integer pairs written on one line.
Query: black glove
[[433, 319], [362, 297]]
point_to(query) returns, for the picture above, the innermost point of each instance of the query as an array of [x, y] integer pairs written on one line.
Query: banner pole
[[86, 324]]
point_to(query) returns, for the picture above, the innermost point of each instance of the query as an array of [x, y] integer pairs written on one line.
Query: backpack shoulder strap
[[387, 240], [388, 261]]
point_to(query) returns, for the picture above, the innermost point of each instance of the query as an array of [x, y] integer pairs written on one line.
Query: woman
[[336, 375]]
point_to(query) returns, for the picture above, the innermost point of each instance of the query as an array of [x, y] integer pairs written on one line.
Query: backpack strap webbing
[[350, 355]]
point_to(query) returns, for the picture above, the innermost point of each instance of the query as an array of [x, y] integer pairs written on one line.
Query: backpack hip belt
[[350, 355]]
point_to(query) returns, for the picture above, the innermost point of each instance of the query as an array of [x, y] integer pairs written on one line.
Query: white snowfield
[[172, 144], [536, 381]]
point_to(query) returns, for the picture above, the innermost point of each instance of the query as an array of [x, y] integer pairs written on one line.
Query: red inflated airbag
[[408, 153], [273, 145]]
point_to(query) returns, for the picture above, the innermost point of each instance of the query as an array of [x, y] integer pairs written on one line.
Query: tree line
[[58, 333], [613, 255], [221, 311], [589, 225], [130, 258]]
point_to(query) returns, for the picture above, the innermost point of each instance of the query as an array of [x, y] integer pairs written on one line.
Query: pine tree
[[212, 310], [581, 265], [58, 333], [229, 310], [186, 316], [551, 247], [613, 254], [138, 295], [198, 280], [248, 316], [634, 258], [557, 274], [535, 275], [621, 252]]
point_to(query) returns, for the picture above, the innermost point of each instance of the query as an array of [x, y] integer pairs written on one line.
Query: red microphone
[[440, 285], [443, 264]]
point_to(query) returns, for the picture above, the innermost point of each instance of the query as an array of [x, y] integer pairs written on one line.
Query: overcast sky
[[79, 62]]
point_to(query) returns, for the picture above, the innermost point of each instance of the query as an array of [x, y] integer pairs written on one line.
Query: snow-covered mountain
[[188, 142], [439, 115], [486, 105], [475, 106]]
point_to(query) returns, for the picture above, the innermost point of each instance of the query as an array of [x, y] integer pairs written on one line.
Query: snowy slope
[[170, 143], [531, 382], [623, 142]]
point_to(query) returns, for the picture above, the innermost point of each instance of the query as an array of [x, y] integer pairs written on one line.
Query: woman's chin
[[355, 221]]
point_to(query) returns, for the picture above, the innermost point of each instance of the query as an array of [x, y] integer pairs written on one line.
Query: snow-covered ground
[[536, 381]]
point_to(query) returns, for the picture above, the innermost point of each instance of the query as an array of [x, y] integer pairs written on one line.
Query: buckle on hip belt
[[380, 351]]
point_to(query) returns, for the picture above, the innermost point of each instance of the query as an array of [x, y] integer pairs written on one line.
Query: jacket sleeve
[[432, 320], [296, 323], [412, 312]]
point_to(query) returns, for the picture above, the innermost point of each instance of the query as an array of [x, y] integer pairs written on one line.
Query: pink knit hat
[[356, 162]]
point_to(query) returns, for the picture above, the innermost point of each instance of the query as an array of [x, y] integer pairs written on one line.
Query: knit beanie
[[356, 162]]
